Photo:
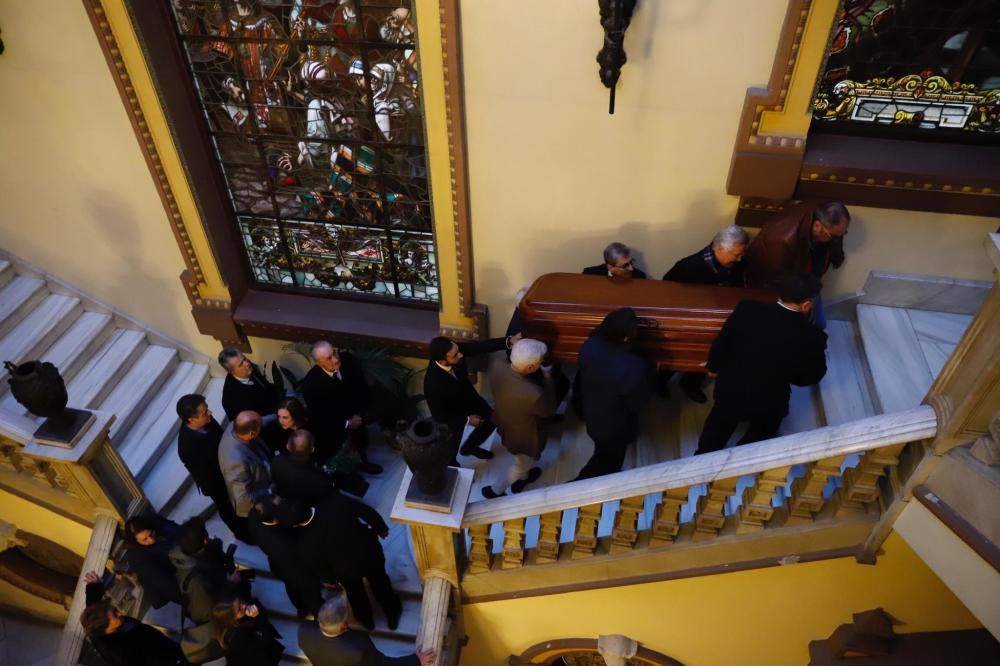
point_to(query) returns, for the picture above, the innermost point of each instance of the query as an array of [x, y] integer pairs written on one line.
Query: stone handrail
[[16, 427], [805, 447]]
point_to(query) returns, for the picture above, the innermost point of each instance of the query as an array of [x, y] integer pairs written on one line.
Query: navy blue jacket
[[615, 383]]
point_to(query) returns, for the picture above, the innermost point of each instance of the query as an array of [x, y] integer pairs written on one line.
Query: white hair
[[322, 344], [527, 352], [730, 237], [333, 613]]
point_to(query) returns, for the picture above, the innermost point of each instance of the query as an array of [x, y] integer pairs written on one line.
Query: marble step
[[168, 480], [939, 333], [845, 390], [6, 273], [38, 329], [899, 369], [100, 373], [157, 425], [139, 383], [191, 503], [17, 298], [70, 351]]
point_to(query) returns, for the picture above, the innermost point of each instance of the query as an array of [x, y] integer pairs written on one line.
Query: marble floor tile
[[844, 391], [939, 334], [899, 369]]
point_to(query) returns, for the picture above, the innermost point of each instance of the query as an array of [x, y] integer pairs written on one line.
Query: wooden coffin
[[678, 322]]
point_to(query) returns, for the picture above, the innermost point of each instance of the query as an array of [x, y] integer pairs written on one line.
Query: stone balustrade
[[770, 499]]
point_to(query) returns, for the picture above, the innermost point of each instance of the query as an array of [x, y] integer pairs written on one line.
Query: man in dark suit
[[452, 398], [337, 396], [615, 383], [338, 539], [198, 447], [762, 349], [617, 263], [247, 390], [717, 264], [279, 544], [331, 642], [295, 473]]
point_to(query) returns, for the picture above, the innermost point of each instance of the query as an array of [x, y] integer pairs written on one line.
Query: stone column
[[96, 559], [437, 542]]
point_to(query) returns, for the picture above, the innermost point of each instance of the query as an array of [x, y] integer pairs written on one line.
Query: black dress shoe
[[694, 393], [476, 451], [369, 468], [534, 474], [392, 617], [489, 493]]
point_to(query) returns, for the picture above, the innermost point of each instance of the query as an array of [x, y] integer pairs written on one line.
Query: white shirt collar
[[312, 514], [786, 307], [248, 381], [447, 368]]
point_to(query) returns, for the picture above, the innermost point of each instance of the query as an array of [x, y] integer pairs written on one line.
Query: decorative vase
[[427, 454], [39, 387]]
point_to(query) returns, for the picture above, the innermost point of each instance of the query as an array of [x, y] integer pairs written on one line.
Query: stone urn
[[39, 387], [427, 453]]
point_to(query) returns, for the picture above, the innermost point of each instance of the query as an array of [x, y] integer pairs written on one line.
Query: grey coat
[[522, 405], [246, 467]]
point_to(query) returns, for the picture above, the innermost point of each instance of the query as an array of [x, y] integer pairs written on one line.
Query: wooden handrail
[[858, 436]]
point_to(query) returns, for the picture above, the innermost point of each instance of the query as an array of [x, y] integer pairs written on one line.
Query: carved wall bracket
[[615, 18]]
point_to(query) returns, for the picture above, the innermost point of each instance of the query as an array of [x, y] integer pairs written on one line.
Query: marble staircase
[[881, 359], [113, 363]]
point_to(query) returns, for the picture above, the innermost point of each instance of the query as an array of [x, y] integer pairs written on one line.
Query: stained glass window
[[916, 67], [313, 107]]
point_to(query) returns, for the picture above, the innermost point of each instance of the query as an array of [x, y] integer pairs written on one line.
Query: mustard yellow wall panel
[[763, 616]]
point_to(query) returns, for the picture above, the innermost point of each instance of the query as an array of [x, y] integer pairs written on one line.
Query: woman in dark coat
[[246, 634], [343, 467], [149, 539]]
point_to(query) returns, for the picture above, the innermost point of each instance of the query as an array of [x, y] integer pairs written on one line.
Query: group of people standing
[[762, 350], [289, 477], [281, 475]]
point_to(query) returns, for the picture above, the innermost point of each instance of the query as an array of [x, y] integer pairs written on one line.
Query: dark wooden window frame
[[878, 172], [255, 310]]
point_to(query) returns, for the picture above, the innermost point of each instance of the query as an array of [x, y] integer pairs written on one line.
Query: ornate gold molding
[[770, 140]]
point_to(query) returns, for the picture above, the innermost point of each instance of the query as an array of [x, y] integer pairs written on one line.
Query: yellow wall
[[76, 197], [764, 616], [33, 518], [38, 520], [554, 178]]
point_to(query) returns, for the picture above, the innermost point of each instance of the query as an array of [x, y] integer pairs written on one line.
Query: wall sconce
[[615, 17]]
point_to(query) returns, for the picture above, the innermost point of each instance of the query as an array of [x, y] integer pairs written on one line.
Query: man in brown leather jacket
[[807, 238]]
